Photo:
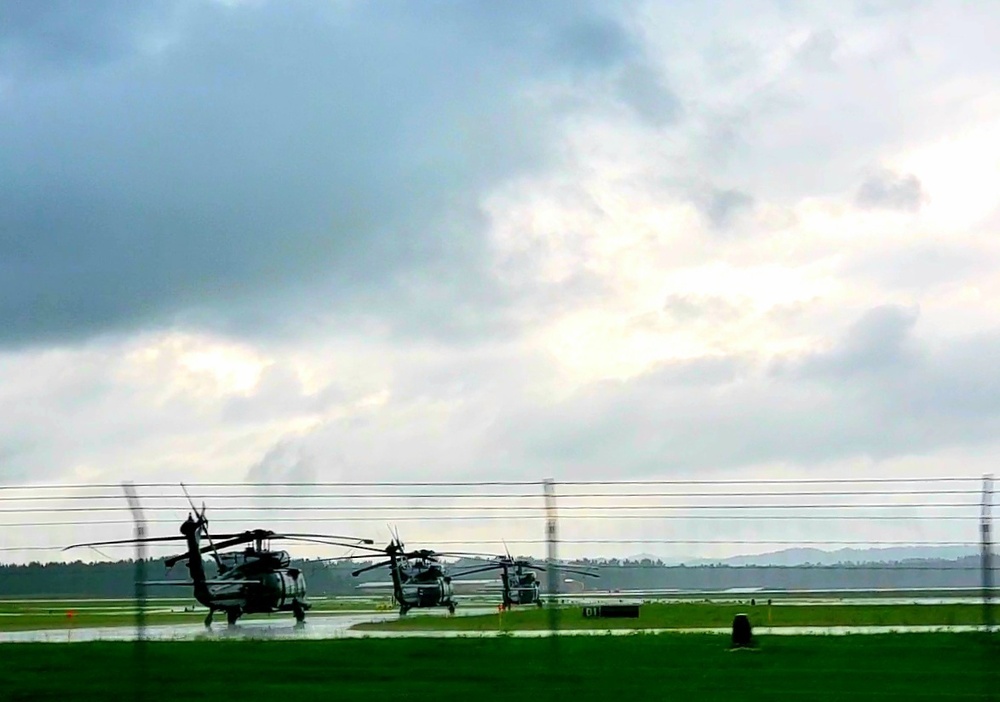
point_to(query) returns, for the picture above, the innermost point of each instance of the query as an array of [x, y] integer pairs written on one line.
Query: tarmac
[[339, 626]]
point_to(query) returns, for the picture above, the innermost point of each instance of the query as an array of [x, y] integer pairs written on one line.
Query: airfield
[[178, 619], [914, 647]]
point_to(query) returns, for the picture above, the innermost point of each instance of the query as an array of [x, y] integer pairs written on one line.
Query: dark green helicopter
[[419, 579], [519, 584], [255, 580]]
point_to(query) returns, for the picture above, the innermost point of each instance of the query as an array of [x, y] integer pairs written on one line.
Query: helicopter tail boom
[[189, 583]]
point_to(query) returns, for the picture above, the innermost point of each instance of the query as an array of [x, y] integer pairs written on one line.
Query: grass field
[[31, 615], [697, 614], [678, 666]]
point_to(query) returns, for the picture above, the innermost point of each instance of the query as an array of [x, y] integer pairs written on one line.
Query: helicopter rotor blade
[[562, 569], [211, 544], [422, 554], [332, 536], [540, 569], [578, 571], [358, 572], [147, 540], [372, 549], [460, 554], [174, 560], [214, 548], [203, 523], [215, 551], [480, 569], [289, 537], [264, 534], [190, 501], [251, 536]]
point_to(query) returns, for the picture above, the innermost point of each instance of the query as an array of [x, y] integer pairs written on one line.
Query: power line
[[514, 483], [564, 496], [574, 517], [497, 508]]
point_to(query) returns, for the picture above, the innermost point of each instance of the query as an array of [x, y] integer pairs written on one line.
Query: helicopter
[[419, 579], [253, 581], [520, 585]]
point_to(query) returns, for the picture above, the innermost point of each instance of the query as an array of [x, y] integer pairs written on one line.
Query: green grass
[[677, 667], [685, 615]]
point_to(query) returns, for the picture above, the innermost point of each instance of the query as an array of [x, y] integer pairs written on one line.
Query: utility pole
[[552, 564], [985, 524], [139, 684]]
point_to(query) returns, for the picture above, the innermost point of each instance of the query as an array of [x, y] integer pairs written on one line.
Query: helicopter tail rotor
[[203, 525]]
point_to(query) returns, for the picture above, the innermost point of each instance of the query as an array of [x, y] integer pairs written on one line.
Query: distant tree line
[[116, 579]]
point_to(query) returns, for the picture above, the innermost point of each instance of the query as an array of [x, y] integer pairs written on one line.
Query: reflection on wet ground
[[764, 630], [339, 627], [327, 626]]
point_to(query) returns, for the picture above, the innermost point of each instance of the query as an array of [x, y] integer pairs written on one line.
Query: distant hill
[[815, 556]]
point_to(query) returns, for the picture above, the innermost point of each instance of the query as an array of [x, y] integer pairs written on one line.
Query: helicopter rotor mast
[[203, 525]]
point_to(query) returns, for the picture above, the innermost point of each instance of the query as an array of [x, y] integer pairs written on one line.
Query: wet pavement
[[317, 626], [339, 627], [764, 630]]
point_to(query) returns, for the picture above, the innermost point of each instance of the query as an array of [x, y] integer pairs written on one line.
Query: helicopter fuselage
[[261, 583], [282, 590], [524, 594], [421, 585], [520, 589], [436, 593], [255, 580]]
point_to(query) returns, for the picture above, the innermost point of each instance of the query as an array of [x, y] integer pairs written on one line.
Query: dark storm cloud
[[285, 462], [887, 190], [879, 342], [229, 163], [64, 34]]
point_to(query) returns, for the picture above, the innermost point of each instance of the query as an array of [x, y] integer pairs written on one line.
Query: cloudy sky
[[458, 241]]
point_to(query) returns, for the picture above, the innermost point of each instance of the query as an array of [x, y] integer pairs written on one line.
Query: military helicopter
[[254, 581], [520, 587], [419, 579]]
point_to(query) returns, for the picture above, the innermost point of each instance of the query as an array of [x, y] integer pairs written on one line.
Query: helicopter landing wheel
[[539, 604], [299, 612], [403, 609], [208, 618], [232, 615], [451, 608]]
